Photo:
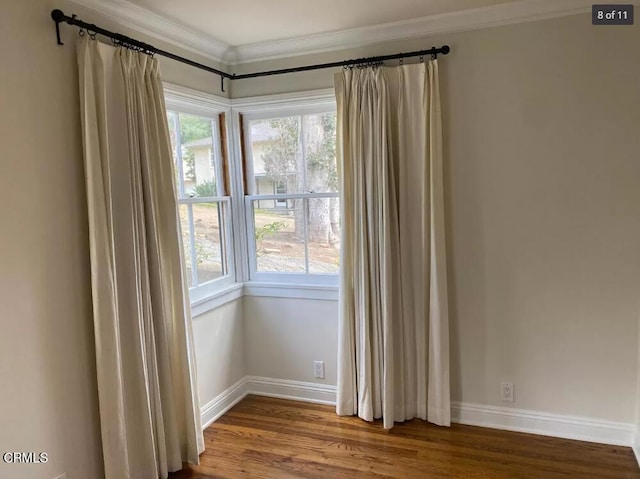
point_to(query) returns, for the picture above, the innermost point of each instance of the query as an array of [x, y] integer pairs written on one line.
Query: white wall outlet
[[506, 392], [318, 369]]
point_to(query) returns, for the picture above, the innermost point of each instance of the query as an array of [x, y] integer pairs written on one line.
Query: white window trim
[[282, 278], [211, 288], [295, 291], [184, 100], [217, 299], [296, 100], [280, 106], [193, 101], [282, 285]]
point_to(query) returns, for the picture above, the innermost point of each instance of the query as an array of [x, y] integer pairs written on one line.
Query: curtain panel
[[149, 412], [393, 350]]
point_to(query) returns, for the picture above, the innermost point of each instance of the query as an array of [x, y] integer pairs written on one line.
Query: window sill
[[263, 289], [219, 298], [298, 291]]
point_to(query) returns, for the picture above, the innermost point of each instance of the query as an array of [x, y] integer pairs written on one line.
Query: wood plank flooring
[[272, 438]]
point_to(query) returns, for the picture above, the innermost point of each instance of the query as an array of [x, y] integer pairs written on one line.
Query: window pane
[[198, 155], [279, 236], [320, 152], [195, 152], [204, 251], [323, 233], [208, 241], [296, 154], [276, 153]]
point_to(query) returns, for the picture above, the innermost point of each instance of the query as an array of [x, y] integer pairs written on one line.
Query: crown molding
[[141, 20], [196, 102], [323, 98], [137, 18], [477, 18]]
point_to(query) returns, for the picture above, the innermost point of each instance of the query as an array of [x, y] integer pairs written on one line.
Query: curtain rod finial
[[57, 15], [445, 49]]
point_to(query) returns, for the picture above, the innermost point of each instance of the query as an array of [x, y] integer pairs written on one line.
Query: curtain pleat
[[145, 364], [393, 345]]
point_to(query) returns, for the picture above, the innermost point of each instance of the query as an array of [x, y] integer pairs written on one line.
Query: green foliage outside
[[202, 255], [266, 230], [205, 190], [192, 128], [282, 155]]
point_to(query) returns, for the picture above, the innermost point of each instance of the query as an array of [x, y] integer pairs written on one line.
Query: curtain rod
[[59, 17]]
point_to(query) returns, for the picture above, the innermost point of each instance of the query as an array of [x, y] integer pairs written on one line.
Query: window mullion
[[216, 154], [294, 196], [176, 125], [252, 245], [305, 206], [192, 246], [238, 179], [223, 231], [303, 153]]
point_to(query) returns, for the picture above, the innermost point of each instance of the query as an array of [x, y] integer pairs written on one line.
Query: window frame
[[280, 110], [185, 101]]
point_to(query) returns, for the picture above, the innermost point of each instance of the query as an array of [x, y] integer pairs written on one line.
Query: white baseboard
[[509, 419], [215, 408], [544, 424], [636, 447], [294, 390], [278, 388]]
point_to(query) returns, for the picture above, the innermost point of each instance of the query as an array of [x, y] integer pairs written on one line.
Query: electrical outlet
[[318, 369], [506, 392]]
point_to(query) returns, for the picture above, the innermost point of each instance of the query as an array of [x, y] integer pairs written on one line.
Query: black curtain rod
[[59, 17]]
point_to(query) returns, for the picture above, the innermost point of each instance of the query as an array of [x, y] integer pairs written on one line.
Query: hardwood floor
[[264, 437]]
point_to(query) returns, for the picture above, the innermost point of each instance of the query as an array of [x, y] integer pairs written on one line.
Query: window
[[280, 189], [292, 207], [203, 201]]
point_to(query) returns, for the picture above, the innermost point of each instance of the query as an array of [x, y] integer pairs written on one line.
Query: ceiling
[[242, 31], [242, 22]]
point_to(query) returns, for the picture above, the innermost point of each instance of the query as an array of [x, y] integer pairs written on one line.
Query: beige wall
[[172, 71], [542, 144], [220, 355], [283, 337], [542, 140], [49, 398], [636, 439]]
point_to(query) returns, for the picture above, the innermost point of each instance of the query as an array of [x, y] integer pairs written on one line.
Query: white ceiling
[[242, 31], [241, 22]]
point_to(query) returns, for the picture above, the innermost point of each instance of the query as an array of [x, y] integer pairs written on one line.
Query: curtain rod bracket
[[58, 16]]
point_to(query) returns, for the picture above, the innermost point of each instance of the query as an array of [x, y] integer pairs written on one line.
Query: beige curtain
[[146, 372], [393, 352]]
